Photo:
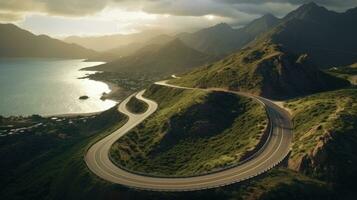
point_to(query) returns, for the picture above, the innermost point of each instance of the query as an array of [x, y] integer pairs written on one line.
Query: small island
[[84, 97]]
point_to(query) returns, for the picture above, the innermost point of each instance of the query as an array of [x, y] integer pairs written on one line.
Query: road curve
[[275, 150]]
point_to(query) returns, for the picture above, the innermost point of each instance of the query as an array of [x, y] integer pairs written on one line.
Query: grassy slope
[[264, 69], [192, 132], [276, 184], [136, 106], [284, 184], [60, 173], [41, 165], [325, 135]]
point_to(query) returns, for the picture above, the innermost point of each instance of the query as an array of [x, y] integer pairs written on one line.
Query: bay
[[49, 87]]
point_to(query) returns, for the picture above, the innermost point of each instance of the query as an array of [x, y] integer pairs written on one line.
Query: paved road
[[275, 150]]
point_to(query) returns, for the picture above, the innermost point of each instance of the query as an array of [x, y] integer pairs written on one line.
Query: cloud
[[75, 8], [10, 17], [173, 14], [223, 8]]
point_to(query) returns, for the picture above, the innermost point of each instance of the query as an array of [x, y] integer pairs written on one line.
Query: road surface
[[275, 150]]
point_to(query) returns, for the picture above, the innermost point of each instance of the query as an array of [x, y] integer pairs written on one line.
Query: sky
[[60, 18]]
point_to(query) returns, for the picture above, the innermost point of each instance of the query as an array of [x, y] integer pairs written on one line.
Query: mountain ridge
[[17, 42], [222, 39], [268, 66], [157, 60]]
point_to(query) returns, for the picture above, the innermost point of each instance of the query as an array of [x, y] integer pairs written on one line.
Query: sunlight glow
[[210, 17]]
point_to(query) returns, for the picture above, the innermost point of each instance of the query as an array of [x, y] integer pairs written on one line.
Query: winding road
[[271, 154]]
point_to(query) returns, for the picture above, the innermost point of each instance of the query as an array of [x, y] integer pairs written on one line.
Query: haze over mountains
[[108, 42], [16, 42], [223, 39], [307, 30], [157, 60]]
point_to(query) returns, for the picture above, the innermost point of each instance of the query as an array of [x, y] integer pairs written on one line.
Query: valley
[[217, 100]]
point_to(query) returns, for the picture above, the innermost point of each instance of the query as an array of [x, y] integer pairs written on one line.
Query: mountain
[[284, 62], [16, 42], [223, 39], [328, 37], [129, 49], [266, 70], [108, 42], [157, 60]]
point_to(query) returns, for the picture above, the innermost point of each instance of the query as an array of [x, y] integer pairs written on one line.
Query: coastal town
[[16, 125]]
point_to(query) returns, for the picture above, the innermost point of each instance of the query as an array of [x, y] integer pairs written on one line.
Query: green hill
[[264, 69], [157, 61], [280, 62], [325, 139], [16, 42], [193, 132]]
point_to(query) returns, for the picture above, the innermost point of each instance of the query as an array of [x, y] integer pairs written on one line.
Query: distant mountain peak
[[175, 42], [221, 26], [311, 4], [269, 16], [309, 11], [261, 24]]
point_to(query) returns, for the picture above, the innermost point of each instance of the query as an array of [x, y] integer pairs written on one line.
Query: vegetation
[[325, 138], [284, 184], [275, 184], [264, 69], [43, 164], [193, 132], [136, 106], [125, 82]]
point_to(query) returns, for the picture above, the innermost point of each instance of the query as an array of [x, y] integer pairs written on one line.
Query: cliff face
[[314, 159]]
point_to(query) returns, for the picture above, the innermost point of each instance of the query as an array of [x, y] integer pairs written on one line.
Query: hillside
[[264, 69], [325, 139], [280, 63], [223, 39], [328, 37], [16, 42], [157, 61], [193, 132], [53, 168]]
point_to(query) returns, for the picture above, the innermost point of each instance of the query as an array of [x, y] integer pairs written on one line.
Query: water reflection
[[48, 87]]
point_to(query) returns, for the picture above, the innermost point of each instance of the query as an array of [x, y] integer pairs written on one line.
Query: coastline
[[116, 94], [112, 95]]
